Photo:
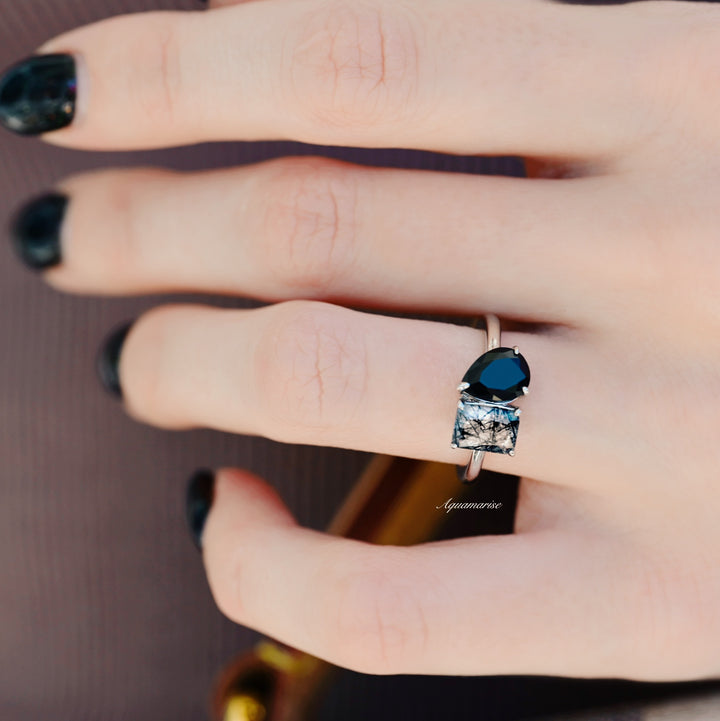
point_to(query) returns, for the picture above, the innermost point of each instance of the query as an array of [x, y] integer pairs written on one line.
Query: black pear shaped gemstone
[[498, 376]]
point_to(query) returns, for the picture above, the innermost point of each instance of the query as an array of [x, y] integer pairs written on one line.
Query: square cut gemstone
[[483, 426]]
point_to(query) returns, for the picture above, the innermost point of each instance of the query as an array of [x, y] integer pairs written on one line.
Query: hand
[[615, 566]]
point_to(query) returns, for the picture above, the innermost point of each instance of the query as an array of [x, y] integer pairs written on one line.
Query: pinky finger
[[512, 604]]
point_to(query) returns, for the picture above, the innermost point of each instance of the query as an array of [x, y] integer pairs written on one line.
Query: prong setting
[[486, 421]]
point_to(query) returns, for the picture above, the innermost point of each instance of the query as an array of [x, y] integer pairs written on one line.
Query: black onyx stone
[[498, 376]]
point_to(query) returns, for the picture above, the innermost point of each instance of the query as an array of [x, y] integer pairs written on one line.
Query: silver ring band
[[492, 329]]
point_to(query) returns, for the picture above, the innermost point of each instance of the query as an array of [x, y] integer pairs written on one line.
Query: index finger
[[463, 76]]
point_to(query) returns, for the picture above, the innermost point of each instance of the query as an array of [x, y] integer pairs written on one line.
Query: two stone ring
[[485, 420]]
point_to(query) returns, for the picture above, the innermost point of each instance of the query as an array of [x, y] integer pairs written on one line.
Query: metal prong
[[525, 390], [453, 445], [511, 453], [460, 404], [516, 350], [518, 411], [463, 386]]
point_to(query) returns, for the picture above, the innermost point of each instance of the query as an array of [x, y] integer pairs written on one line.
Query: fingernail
[[199, 500], [108, 359], [35, 231], [38, 94]]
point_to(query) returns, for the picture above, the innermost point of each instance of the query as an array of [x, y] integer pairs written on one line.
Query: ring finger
[[315, 373]]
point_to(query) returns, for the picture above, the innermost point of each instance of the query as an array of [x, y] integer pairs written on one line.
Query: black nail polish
[[35, 231], [199, 500], [108, 359], [38, 94]]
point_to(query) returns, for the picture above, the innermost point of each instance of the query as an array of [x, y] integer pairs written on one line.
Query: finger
[[461, 76], [513, 604], [309, 372], [314, 228]]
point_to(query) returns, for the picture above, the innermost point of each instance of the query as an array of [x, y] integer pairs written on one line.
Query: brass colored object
[[245, 708]]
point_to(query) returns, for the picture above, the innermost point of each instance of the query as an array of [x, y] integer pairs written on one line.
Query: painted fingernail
[[38, 94], [199, 500], [108, 359], [35, 231]]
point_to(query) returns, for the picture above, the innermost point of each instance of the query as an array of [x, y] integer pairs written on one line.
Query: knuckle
[[674, 609], [150, 373], [142, 382], [352, 64], [312, 368], [310, 224], [145, 391], [128, 254], [157, 47], [648, 238], [98, 195], [226, 581], [114, 200], [125, 254], [688, 61], [380, 625], [667, 242], [674, 67]]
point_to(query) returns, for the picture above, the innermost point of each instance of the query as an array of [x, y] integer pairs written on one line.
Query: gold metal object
[[245, 708]]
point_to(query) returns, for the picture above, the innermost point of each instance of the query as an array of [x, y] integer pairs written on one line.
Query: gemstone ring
[[485, 420]]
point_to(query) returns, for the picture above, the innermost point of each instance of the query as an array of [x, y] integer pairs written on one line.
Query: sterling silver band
[[474, 466]]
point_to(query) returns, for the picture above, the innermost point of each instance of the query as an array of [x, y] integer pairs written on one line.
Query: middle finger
[[315, 228]]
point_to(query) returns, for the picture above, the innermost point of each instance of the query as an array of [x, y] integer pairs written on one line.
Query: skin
[[611, 252]]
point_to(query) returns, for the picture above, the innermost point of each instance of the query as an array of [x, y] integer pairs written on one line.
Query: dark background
[[104, 607]]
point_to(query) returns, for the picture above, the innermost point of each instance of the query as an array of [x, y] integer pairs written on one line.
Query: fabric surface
[[104, 607]]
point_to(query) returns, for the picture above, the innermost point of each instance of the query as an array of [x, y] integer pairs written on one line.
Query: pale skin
[[614, 568]]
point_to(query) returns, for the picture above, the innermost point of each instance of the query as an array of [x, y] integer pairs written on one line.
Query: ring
[[485, 420]]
